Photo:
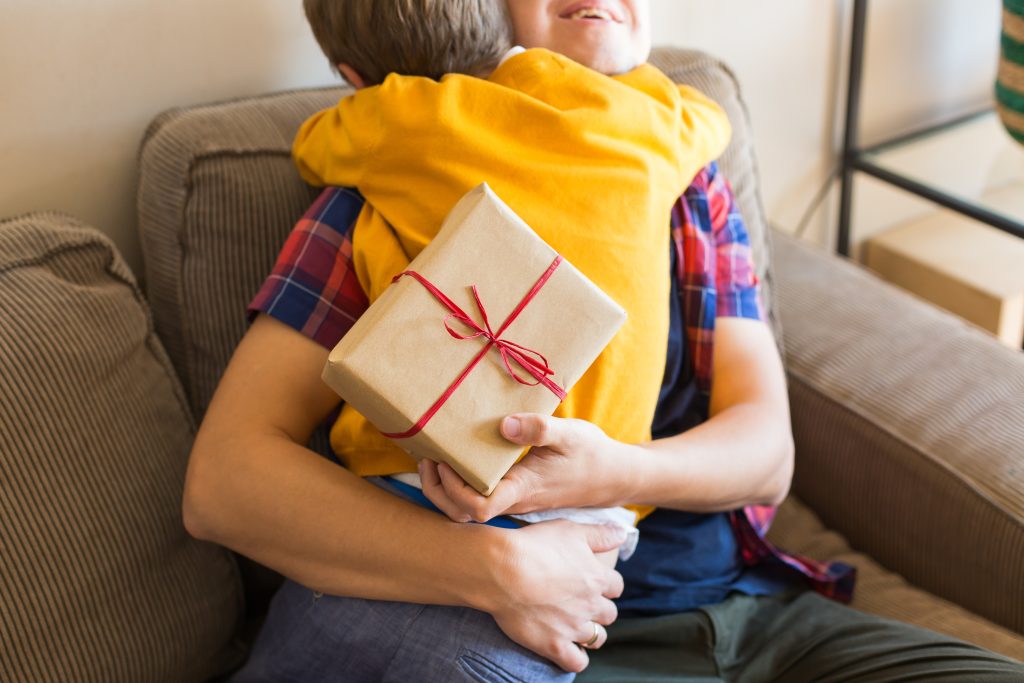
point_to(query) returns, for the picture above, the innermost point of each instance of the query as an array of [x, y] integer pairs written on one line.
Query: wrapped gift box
[[401, 358]]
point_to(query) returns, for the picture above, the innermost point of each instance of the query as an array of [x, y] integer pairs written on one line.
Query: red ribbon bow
[[535, 364]]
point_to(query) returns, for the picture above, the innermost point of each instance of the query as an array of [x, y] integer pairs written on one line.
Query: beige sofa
[[909, 424]]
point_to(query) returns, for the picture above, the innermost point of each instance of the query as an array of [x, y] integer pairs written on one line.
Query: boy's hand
[[572, 463]]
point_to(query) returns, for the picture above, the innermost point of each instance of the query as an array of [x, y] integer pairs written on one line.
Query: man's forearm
[[742, 456], [291, 510]]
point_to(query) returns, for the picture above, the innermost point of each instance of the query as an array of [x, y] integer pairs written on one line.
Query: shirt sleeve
[[313, 287], [736, 281]]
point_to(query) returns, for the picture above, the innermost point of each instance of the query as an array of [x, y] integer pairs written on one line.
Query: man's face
[[610, 36]]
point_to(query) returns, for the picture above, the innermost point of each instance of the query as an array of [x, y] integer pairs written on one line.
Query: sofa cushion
[[885, 593], [219, 194], [100, 579], [909, 427]]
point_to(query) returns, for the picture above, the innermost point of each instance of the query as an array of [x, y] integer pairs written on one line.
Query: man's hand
[[572, 463], [554, 589], [742, 455]]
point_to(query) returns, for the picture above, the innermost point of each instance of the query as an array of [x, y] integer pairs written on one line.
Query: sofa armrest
[[909, 430]]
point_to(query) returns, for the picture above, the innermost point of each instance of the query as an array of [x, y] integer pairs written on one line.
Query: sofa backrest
[[218, 195], [100, 579]]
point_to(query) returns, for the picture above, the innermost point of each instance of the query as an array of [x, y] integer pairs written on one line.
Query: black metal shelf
[[857, 159]]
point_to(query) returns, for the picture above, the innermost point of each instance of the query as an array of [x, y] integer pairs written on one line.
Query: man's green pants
[[797, 637]]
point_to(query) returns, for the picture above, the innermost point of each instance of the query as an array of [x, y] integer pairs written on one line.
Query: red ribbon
[[535, 364]]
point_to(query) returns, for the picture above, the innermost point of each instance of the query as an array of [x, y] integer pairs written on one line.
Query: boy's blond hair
[[411, 37]]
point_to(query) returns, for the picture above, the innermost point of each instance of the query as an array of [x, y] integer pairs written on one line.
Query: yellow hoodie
[[592, 163]]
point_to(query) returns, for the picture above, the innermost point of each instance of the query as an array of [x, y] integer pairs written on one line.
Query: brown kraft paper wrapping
[[398, 358]]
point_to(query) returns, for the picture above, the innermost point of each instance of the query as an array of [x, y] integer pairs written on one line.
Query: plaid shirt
[[313, 288]]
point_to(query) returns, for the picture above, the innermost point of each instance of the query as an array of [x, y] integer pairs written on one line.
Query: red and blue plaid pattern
[[313, 288], [717, 279]]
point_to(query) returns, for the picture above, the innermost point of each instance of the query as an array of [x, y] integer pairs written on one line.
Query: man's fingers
[[465, 497], [435, 492], [593, 636], [571, 657], [531, 429], [607, 613], [605, 537], [450, 479], [428, 473], [602, 638], [615, 585]]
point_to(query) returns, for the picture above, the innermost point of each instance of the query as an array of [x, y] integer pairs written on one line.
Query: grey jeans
[[793, 638], [311, 638]]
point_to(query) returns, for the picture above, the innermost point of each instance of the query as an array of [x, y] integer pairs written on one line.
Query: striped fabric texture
[[218, 195], [98, 579], [883, 592], [910, 435], [1010, 84]]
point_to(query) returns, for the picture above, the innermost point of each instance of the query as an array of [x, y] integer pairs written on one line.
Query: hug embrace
[[676, 439]]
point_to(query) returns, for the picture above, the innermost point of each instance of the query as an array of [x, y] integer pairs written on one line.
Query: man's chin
[[606, 62], [609, 65]]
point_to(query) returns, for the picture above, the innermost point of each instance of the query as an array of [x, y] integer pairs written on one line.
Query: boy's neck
[[509, 54], [512, 52]]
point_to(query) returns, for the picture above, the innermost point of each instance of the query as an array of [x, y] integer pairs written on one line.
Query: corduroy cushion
[[100, 580], [909, 425], [885, 593], [218, 195]]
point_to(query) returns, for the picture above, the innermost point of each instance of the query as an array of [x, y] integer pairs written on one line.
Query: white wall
[[925, 60], [81, 79]]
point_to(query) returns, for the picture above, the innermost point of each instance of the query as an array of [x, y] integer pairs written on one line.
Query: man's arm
[[252, 486], [742, 455]]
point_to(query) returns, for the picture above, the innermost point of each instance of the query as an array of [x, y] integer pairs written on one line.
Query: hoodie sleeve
[[334, 146], [705, 127]]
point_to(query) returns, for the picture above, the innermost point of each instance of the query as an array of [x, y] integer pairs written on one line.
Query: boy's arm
[[703, 129], [706, 130], [334, 146], [338, 146]]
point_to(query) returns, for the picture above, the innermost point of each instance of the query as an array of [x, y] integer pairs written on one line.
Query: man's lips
[[591, 10]]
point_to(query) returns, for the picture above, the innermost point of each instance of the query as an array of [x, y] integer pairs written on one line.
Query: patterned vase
[[1010, 85]]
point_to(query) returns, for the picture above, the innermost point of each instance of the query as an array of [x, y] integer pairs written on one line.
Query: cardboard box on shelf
[[970, 269]]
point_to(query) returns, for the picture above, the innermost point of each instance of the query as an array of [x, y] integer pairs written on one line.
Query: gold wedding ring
[[597, 634]]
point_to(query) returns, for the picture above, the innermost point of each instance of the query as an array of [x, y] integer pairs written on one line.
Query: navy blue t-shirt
[[685, 560]]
